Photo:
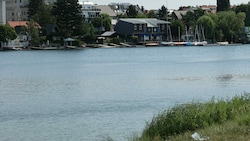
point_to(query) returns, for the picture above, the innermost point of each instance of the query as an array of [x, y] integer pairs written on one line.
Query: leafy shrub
[[116, 40]]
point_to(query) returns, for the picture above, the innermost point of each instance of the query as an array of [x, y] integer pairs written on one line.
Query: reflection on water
[[91, 93], [220, 78], [226, 77], [186, 78]]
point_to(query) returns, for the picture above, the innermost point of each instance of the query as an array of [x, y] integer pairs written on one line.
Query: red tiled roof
[[20, 23]]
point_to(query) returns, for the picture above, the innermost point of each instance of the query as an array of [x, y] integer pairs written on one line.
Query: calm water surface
[[90, 94]]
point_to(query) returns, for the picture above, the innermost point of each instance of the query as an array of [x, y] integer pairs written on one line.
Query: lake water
[[90, 94]]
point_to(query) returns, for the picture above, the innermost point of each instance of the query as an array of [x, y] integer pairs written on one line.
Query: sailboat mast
[[169, 35]]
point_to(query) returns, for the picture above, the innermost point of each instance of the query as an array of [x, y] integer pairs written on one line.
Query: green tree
[[131, 11], [223, 5], [244, 8], [142, 9], [230, 24], [34, 7], [41, 13], [141, 15], [208, 24], [177, 28], [218, 35], [192, 16], [45, 15], [69, 17], [89, 33], [151, 14], [34, 32], [122, 16], [102, 22], [7, 33], [163, 15]]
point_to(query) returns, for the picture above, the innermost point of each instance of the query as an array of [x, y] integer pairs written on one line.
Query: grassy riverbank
[[223, 119], [217, 120]]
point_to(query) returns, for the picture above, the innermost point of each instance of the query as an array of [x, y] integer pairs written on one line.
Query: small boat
[[151, 44], [169, 40], [188, 43], [203, 43], [223, 43], [167, 43], [179, 43], [200, 36]]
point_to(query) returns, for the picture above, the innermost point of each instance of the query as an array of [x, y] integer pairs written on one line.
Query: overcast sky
[[171, 4]]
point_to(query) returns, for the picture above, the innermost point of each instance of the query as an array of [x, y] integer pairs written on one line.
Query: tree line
[[225, 25]]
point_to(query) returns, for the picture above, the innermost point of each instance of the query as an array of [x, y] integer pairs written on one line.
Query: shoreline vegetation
[[217, 120]]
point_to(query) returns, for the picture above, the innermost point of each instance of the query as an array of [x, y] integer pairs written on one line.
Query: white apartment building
[[120, 8], [89, 10]]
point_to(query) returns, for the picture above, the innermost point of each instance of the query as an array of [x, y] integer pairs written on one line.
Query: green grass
[[220, 120], [228, 131]]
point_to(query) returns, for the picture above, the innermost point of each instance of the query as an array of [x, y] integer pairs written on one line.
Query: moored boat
[[151, 44], [167, 43]]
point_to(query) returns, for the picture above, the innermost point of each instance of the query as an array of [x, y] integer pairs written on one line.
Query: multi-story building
[[16, 10], [119, 8], [89, 10], [144, 29], [3, 12]]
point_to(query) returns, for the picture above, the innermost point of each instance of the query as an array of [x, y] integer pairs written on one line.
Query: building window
[[149, 29], [135, 27], [140, 27], [162, 27]]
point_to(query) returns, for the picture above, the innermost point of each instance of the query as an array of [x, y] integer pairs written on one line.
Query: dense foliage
[[34, 31], [177, 27], [132, 11], [151, 14], [40, 12], [7, 33], [223, 5], [69, 17], [192, 16], [209, 24], [34, 7], [190, 117], [163, 14], [45, 16], [246, 9], [102, 22], [230, 25]]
